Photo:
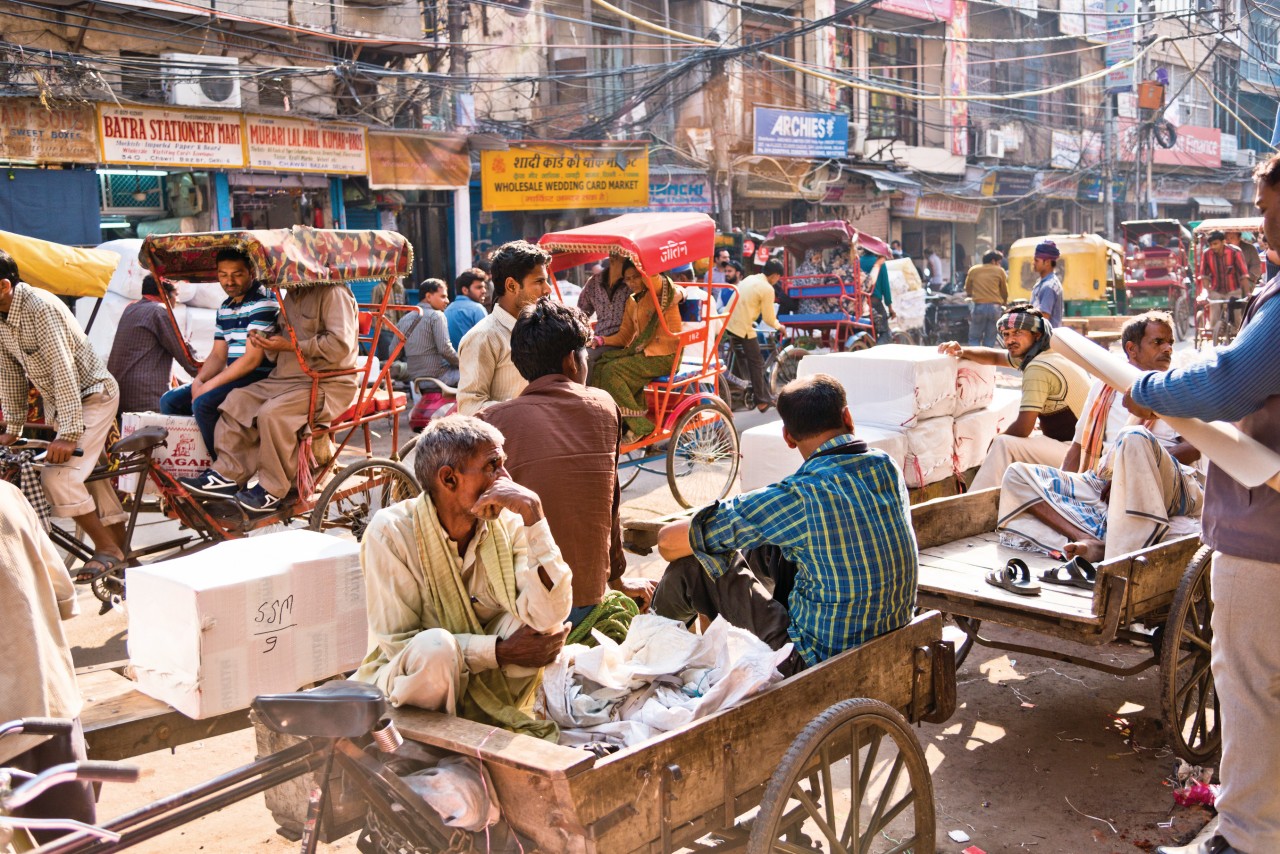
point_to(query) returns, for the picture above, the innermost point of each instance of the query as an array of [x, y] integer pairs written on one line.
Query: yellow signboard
[[564, 177]]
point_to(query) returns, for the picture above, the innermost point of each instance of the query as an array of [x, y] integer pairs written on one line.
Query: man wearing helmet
[[1053, 394]]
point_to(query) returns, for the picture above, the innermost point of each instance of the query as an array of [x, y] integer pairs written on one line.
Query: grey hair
[[450, 441]]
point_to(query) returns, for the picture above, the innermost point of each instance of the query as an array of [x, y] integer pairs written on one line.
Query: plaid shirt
[[844, 521], [41, 342]]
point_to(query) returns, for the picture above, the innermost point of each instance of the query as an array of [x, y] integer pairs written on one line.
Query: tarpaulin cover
[[52, 204], [283, 257], [64, 270], [653, 241]]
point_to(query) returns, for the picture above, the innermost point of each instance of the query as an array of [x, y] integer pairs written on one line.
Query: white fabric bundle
[[891, 385], [1005, 402], [459, 790], [766, 458], [975, 385], [930, 452], [910, 308], [974, 432], [127, 279]]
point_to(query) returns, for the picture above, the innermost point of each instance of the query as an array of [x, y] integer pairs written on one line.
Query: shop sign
[[297, 145], [904, 204], [1055, 186], [1071, 150], [58, 134], [563, 177], [1007, 184], [1091, 190], [958, 45], [1119, 41], [674, 194], [1195, 146], [414, 161], [1080, 17], [814, 136], [947, 209], [857, 196], [930, 10], [156, 136]]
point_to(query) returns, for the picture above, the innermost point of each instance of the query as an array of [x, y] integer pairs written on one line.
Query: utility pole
[[1108, 169], [462, 237]]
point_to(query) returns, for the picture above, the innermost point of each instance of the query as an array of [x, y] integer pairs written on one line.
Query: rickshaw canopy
[[283, 257], [802, 236], [654, 242], [1135, 228], [67, 271], [1238, 223]]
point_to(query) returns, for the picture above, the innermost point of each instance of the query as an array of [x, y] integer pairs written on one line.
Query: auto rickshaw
[[1091, 269], [1157, 274]]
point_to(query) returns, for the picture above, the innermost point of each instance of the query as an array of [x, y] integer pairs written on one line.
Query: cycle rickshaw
[[344, 484], [695, 430], [1228, 322], [1157, 272]]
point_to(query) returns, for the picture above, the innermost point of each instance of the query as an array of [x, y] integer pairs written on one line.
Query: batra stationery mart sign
[[149, 136], [786, 133]]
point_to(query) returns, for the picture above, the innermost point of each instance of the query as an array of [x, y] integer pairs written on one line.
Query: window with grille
[[893, 61], [275, 92], [140, 76]]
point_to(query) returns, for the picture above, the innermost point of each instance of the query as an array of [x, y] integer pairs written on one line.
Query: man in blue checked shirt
[[825, 559]]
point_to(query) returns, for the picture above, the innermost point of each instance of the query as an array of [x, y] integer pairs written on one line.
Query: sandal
[[1078, 573], [108, 562], [1015, 577]]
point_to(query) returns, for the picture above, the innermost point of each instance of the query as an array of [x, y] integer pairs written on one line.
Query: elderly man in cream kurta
[[262, 424], [466, 590]]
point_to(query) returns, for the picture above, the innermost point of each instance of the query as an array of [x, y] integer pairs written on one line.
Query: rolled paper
[[1243, 458]]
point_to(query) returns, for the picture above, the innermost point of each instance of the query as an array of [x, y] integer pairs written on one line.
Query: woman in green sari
[[648, 350]]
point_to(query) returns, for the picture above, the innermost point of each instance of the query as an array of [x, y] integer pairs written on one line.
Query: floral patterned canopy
[[283, 257]]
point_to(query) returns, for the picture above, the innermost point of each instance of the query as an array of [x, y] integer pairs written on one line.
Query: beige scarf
[[491, 697]]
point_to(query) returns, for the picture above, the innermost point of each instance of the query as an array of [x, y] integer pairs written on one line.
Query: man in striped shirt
[[233, 363], [825, 558]]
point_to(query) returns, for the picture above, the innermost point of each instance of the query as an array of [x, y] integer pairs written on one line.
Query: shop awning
[[1213, 204], [885, 180], [416, 161]]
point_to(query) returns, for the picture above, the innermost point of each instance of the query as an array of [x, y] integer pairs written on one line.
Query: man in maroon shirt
[[562, 443]]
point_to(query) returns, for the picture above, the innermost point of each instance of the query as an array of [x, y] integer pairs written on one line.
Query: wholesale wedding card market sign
[[562, 177], [787, 133]]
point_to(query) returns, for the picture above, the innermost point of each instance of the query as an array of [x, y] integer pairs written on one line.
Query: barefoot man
[[1119, 485]]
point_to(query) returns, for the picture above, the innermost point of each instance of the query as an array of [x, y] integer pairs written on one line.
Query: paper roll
[[1246, 460]]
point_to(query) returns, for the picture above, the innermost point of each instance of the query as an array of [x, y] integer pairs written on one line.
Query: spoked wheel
[[902, 336], [1182, 318], [627, 474], [854, 782], [784, 368], [109, 588], [1188, 698], [357, 492], [702, 456]]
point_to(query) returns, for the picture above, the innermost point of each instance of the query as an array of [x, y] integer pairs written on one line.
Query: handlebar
[[84, 772], [65, 824], [36, 726], [29, 444]]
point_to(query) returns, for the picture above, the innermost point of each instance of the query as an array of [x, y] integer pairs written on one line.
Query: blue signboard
[[787, 133]]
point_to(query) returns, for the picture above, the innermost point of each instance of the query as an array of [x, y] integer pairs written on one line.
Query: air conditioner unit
[[185, 195], [1057, 221], [191, 80], [1246, 157], [857, 140], [991, 144]]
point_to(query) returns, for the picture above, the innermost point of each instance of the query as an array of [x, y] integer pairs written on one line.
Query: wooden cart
[[1164, 589], [785, 751]]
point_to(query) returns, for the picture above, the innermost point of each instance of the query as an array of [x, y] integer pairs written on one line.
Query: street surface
[[1036, 759]]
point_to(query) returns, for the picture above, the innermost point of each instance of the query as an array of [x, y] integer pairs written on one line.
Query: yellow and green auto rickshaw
[[1091, 270]]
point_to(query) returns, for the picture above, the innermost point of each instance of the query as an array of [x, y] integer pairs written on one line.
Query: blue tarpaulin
[[60, 205]]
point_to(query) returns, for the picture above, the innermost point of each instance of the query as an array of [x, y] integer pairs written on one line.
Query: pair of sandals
[[1016, 576]]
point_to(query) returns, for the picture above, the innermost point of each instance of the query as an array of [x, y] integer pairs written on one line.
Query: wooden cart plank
[[489, 743], [960, 583], [1155, 574], [945, 520]]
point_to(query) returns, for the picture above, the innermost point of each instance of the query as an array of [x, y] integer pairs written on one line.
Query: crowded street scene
[[528, 426]]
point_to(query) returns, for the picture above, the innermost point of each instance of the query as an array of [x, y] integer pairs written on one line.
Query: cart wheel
[[1189, 701], [1182, 318], [702, 456], [627, 474], [357, 492], [841, 787]]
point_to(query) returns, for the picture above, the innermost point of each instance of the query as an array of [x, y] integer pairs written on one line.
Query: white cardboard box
[[182, 455], [210, 631]]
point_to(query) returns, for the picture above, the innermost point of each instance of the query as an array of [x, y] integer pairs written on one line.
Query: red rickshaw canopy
[[654, 242], [801, 236], [283, 257]]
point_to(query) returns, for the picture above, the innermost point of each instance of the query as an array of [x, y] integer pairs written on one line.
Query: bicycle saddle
[[340, 709], [141, 440]]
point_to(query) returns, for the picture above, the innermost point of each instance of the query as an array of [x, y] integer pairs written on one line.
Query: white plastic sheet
[[459, 790]]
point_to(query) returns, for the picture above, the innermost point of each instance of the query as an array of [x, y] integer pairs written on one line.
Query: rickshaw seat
[[797, 319], [339, 709], [142, 439], [680, 377]]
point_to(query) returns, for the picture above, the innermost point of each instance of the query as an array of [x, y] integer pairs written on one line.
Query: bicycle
[[735, 383], [345, 737], [1223, 331]]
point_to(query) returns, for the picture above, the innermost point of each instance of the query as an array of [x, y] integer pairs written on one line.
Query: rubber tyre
[[902, 336], [360, 490], [1187, 695], [628, 475], [783, 370], [808, 768], [703, 454], [1183, 318]]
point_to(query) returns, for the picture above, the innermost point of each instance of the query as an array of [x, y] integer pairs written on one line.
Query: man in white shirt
[[487, 376], [755, 301]]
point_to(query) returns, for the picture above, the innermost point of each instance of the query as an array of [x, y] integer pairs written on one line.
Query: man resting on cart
[[466, 590], [1119, 485], [825, 558], [263, 424], [1053, 394]]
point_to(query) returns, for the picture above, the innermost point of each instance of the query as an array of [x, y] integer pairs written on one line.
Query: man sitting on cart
[[1053, 394], [1119, 485], [466, 590], [263, 425], [825, 558], [41, 343]]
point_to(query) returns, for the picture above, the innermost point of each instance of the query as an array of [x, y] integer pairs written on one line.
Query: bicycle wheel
[[359, 491], [702, 456], [627, 474], [1222, 334], [784, 368], [1182, 318], [902, 336], [842, 787]]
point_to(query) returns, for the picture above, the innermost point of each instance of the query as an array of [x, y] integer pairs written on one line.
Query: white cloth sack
[[126, 281], [458, 789], [973, 434], [891, 385], [766, 459], [930, 452], [975, 385], [1005, 402]]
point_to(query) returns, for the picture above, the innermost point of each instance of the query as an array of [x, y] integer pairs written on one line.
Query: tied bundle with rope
[[612, 618], [28, 481]]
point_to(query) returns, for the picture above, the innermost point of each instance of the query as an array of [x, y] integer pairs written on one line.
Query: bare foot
[[1090, 550]]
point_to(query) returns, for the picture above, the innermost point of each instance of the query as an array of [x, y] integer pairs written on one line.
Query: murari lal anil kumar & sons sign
[[559, 177]]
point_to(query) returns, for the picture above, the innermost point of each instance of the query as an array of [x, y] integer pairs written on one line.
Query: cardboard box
[[182, 455], [210, 631]]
